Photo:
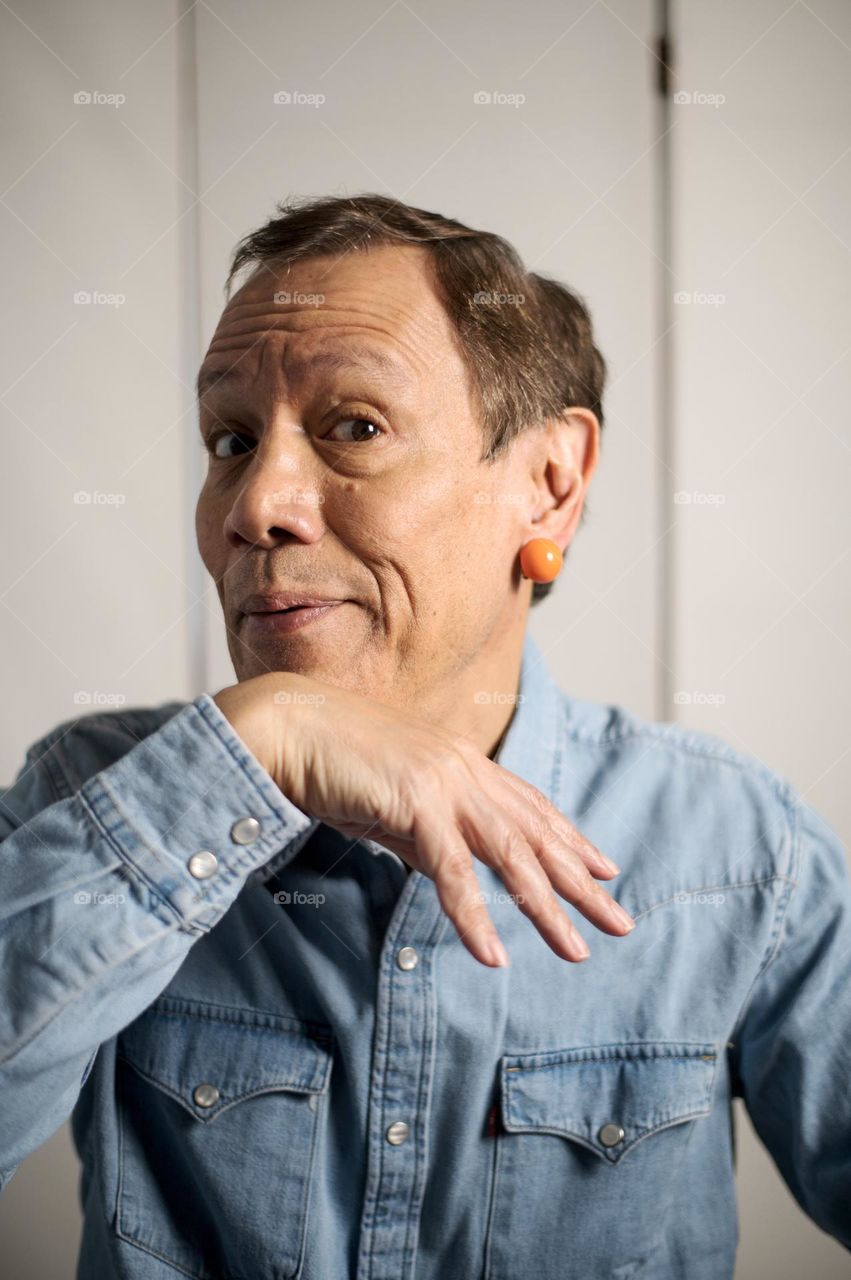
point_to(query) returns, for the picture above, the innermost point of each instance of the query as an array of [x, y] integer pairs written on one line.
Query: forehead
[[377, 311]]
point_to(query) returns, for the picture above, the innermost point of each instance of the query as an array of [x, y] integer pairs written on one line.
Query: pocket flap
[[607, 1097], [209, 1057]]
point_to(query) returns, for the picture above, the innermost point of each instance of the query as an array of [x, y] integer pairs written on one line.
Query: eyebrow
[[385, 366]]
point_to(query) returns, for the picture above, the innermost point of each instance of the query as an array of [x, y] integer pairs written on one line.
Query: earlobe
[[540, 560]]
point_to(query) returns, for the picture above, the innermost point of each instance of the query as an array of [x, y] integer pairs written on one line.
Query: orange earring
[[540, 560]]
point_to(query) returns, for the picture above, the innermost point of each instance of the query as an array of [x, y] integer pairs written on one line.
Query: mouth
[[290, 617]]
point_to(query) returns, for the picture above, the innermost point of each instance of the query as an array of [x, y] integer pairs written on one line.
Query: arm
[[792, 1046], [98, 905]]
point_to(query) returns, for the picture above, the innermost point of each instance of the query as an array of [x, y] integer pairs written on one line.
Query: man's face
[[399, 519]]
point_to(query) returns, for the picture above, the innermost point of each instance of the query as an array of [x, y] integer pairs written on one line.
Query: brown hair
[[527, 339]]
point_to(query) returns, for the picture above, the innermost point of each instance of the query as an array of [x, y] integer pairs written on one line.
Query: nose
[[277, 499]]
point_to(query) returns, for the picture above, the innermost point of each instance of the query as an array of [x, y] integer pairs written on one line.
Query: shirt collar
[[531, 748]]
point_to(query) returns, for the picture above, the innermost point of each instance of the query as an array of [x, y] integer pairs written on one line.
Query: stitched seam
[[244, 1027], [614, 1062], [558, 1130], [207, 1011], [670, 736], [126, 858], [708, 888], [780, 910], [273, 1086]]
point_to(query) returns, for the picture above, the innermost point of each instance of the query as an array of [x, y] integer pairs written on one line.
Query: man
[[255, 944]]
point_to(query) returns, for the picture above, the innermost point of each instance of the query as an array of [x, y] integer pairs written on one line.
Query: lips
[[283, 602], [295, 617]]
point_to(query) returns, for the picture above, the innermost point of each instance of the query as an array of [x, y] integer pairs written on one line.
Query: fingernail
[[581, 945], [497, 951], [622, 916], [607, 862]]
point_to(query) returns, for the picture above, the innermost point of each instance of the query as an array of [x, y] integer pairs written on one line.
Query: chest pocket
[[587, 1155], [220, 1114]]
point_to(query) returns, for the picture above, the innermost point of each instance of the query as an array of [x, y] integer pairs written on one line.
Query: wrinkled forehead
[[379, 310]]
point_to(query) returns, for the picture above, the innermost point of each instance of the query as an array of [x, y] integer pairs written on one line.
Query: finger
[[571, 879], [569, 875], [446, 859], [530, 797], [498, 841]]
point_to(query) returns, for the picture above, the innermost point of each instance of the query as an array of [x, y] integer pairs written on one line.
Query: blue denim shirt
[[291, 1067]]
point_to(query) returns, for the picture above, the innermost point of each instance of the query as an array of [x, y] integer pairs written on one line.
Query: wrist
[[248, 707]]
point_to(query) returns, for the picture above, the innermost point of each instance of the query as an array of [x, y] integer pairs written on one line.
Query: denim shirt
[[281, 1062]]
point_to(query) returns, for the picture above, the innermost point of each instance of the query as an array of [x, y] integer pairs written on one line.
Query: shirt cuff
[[195, 816]]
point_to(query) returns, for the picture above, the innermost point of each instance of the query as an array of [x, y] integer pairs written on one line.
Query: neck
[[477, 701]]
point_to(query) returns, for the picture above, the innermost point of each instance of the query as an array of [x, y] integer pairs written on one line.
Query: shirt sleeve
[[101, 898], [793, 1042]]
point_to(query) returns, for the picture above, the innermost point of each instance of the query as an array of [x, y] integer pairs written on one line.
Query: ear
[[565, 453]]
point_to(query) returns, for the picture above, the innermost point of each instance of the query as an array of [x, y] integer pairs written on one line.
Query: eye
[[220, 444], [359, 423]]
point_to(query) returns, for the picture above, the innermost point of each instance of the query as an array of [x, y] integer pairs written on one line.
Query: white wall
[[762, 389], [148, 199], [96, 596]]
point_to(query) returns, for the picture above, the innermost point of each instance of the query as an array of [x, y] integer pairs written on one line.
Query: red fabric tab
[[493, 1120]]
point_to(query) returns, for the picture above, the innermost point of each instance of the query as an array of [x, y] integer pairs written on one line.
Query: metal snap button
[[407, 958], [203, 865], [611, 1134], [397, 1133], [245, 831], [205, 1095]]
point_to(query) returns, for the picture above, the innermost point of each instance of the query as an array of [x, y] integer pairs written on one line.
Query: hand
[[372, 771]]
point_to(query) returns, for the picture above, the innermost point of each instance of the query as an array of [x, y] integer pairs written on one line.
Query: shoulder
[[612, 727], [686, 789], [77, 748]]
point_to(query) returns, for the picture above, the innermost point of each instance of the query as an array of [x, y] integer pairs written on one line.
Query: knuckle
[[535, 799], [512, 845], [545, 836], [539, 905], [455, 862], [588, 892], [553, 914]]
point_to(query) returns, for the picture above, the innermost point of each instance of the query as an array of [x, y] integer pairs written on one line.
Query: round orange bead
[[540, 560]]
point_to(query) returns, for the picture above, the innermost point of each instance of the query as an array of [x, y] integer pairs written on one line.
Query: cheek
[[434, 527], [209, 532], [393, 516]]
